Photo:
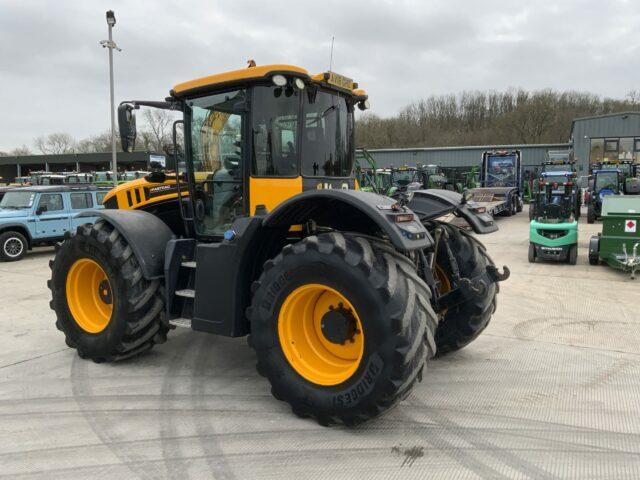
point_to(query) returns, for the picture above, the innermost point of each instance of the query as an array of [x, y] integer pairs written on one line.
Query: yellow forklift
[[261, 231]]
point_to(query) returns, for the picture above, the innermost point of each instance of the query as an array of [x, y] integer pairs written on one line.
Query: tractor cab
[[252, 139], [433, 176], [406, 179], [605, 182], [629, 182]]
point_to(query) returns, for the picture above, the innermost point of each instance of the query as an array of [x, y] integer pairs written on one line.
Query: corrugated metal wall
[[532, 155], [613, 126]]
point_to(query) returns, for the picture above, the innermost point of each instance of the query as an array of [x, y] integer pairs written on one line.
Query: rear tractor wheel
[[463, 323], [105, 308], [342, 327]]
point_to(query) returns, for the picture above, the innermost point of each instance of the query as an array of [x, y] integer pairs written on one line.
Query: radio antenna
[[331, 55]]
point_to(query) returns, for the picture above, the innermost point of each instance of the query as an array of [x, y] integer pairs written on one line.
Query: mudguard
[[352, 210], [433, 203], [145, 233]]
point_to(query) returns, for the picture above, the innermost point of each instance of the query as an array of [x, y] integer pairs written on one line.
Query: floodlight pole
[[110, 44]]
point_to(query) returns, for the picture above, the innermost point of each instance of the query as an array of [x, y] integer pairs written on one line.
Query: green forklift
[[553, 233], [619, 243]]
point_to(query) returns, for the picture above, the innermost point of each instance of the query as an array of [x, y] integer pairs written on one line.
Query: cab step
[[186, 293], [181, 322]]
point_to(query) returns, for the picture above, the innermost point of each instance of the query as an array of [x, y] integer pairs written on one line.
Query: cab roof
[[263, 72]]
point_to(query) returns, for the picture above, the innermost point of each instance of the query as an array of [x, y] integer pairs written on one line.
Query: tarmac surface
[[550, 390]]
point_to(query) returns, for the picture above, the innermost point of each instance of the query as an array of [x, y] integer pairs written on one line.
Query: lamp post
[[110, 44]]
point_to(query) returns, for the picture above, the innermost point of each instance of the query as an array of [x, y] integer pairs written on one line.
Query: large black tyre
[[392, 302], [13, 246], [136, 322], [462, 324], [591, 214], [511, 208]]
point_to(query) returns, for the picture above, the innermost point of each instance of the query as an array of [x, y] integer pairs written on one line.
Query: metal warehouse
[[606, 137], [460, 157]]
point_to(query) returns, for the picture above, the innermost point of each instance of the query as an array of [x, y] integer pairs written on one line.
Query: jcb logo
[[328, 186]]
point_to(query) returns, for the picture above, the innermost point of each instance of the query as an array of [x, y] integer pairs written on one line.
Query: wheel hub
[[338, 325], [104, 291]]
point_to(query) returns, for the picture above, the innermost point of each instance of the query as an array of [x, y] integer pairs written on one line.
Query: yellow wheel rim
[[445, 285], [89, 295], [312, 322]]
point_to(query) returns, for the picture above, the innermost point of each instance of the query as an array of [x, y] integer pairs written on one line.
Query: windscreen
[[607, 181], [501, 171], [327, 135], [405, 177]]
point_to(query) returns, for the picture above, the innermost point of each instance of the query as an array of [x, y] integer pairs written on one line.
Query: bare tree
[[21, 151], [157, 134], [476, 118], [96, 144], [55, 143]]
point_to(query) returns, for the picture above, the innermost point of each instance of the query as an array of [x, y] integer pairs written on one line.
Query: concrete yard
[[550, 390]]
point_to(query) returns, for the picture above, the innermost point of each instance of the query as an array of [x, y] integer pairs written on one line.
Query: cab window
[[275, 131], [100, 197]]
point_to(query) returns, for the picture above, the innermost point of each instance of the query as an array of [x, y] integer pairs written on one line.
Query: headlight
[[299, 83], [364, 105], [279, 80]]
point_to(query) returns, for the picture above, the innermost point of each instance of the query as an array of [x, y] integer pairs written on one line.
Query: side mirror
[[127, 126], [41, 209]]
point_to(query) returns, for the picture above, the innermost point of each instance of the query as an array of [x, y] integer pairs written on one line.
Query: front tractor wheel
[[342, 327], [104, 307]]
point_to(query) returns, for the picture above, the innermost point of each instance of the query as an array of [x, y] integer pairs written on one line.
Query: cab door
[[52, 216], [216, 126]]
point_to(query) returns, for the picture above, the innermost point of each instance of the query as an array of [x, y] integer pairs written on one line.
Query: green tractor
[[618, 244], [432, 176], [553, 232], [370, 178]]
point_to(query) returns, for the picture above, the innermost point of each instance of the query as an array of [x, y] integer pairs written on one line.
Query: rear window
[[81, 201], [100, 197]]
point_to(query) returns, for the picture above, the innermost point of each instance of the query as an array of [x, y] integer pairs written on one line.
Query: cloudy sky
[[53, 73]]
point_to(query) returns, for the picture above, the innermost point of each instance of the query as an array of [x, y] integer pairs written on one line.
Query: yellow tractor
[[261, 231]]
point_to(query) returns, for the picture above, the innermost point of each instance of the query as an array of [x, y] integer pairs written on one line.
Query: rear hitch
[[495, 274]]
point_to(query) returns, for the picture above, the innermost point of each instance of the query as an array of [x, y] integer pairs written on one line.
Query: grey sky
[[53, 73]]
